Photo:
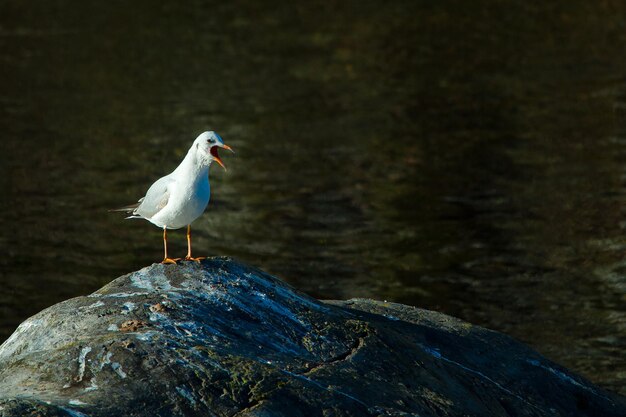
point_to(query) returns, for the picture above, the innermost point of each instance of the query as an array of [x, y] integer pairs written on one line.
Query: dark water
[[470, 160]]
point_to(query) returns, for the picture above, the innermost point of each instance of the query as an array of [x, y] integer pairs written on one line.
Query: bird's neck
[[193, 166]]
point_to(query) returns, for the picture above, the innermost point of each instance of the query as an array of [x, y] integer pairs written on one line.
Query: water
[[469, 160]]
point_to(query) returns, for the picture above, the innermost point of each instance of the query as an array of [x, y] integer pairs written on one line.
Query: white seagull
[[177, 199]]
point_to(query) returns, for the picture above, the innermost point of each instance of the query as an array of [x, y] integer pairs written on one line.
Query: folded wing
[[156, 198]]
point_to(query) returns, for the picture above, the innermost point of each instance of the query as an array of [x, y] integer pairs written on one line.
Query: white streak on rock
[[146, 336], [81, 362], [263, 300], [118, 370], [435, 353], [93, 385], [73, 413], [185, 393], [128, 307], [106, 360], [150, 281], [322, 386], [125, 294], [561, 375]]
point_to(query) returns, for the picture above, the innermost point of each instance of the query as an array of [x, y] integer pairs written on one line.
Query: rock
[[224, 339]]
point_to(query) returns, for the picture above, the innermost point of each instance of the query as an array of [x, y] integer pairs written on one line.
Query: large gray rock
[[225, 339]]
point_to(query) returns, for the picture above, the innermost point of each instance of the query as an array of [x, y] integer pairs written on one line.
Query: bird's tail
[[127, 209]]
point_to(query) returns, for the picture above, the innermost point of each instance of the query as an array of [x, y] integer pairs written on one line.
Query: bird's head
[[207, 145]]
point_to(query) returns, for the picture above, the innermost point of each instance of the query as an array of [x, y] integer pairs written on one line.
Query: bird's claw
[[170, 261], [198, 259]]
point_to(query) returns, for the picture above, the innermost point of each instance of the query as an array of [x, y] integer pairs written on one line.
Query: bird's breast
[[203, 194], [185, 205]]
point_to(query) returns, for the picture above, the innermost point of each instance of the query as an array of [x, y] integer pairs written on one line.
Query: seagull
[[177, 199]]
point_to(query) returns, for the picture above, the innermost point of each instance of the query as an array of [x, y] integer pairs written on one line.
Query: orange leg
[[166, 259], [189, 257]]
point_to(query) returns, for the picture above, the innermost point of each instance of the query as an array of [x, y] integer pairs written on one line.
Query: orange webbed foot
[[198, 259], [170, 261]]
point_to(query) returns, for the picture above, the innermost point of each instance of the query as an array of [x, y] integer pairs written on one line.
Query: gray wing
[[156, 198]]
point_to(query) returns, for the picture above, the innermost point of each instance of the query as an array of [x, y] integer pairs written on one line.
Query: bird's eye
[[211, 140]]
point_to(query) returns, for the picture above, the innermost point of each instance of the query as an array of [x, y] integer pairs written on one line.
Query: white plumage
[[177, 199]]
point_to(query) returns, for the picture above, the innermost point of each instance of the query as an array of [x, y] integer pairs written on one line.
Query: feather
[[127, 209]]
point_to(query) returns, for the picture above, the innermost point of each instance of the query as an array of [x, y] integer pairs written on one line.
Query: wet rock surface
[[224, 339]]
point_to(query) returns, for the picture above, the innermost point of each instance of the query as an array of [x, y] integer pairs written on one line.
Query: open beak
[[216, 156]]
